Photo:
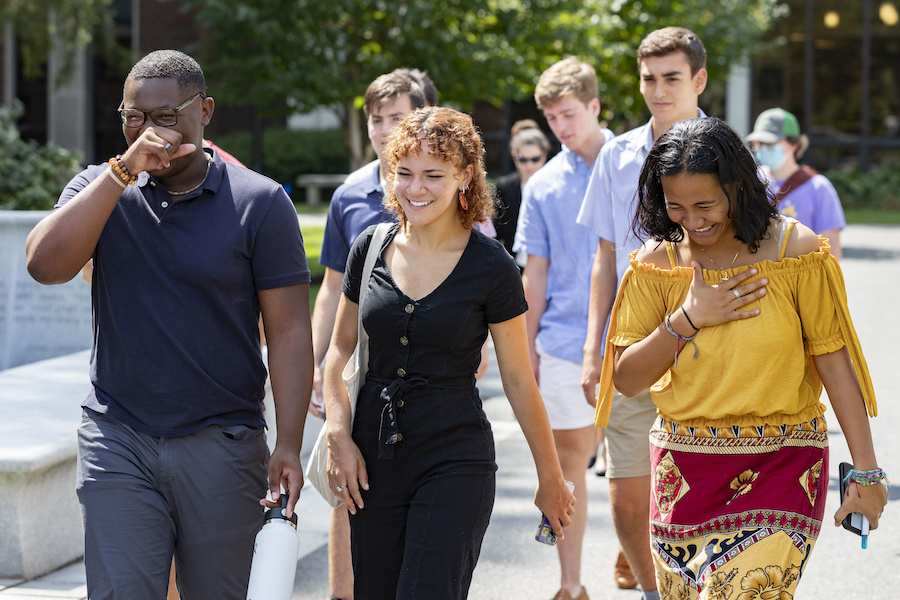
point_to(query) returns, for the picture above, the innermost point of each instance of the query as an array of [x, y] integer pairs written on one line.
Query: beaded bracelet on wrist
[[121, 171], [867, 478], [681, 338], [116, 178]]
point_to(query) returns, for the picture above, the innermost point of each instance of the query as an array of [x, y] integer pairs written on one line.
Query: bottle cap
[[274, 514]]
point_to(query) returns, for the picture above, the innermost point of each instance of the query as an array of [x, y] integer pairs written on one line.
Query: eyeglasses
[[529, 159], [164, 117]]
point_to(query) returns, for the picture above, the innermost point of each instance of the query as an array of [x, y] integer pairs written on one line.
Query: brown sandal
[[624, 576]]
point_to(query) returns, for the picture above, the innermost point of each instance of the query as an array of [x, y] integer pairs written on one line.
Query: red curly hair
[[452, 136]]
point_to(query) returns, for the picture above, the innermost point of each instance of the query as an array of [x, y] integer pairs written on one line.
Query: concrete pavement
[[513, 565]]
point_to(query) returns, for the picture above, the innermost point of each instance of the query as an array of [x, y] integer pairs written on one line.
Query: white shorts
[[562, 393]]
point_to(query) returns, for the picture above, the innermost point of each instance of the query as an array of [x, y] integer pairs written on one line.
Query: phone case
[[545, 533], [853, 521]]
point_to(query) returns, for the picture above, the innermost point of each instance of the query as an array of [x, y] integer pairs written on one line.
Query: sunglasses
[[529, 159]]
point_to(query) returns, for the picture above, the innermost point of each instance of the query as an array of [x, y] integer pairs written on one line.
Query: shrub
[[31, 176], [878, 188], [288, 153]]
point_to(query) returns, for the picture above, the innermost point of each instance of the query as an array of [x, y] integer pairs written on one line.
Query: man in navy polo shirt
[[354, 206], [187, 251]]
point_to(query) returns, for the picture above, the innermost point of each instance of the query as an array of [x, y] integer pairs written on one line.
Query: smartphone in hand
[[854, 521], [545, 533]]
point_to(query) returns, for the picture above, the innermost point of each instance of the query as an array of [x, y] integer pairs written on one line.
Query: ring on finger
[[167, 146], [339, 489], [737, 294]]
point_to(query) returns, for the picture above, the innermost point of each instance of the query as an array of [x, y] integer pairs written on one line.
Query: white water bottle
[[275, 556]]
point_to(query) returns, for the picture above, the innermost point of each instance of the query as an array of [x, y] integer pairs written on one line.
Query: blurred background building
[[833, 63]]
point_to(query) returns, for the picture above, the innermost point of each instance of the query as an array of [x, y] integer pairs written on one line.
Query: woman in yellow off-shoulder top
[[734, 317]]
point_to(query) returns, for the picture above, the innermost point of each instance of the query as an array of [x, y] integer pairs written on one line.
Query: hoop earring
[[462, 198]]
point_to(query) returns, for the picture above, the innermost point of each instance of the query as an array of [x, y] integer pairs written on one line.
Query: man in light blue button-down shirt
[[556, 281], [672, 63]]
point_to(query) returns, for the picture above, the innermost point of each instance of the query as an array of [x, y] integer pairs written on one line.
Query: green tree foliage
[[299, 54], [31, 175], [40, 24], [287, 153], [607, 33]]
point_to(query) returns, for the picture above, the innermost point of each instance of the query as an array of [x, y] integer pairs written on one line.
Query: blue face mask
[[771, 156]]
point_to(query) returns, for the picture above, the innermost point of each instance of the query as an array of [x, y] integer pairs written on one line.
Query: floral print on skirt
[[735, 511]]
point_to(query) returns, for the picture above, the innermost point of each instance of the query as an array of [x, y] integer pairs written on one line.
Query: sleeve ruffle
[[606, 388], [823, 308], [839, 295], [650, 281]]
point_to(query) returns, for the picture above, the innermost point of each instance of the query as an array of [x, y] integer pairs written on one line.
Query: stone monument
[[45, 336], [36, 321]]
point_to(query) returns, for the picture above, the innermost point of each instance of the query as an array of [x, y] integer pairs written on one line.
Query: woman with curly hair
[[416, 467], [735, 317]]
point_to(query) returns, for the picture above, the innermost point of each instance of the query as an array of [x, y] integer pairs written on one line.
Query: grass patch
[[313, 292], [312, 243], [872, 216], [303, 208]]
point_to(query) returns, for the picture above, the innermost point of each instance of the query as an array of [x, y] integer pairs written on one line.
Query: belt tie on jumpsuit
[[392, 394]]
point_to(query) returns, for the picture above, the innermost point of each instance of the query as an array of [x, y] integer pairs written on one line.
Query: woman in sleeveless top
[[416, 467], [734, 317]]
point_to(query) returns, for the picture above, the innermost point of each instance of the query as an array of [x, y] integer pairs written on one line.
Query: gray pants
[[145, 499]]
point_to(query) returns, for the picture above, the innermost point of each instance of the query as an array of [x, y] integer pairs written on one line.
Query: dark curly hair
[[450, 135], [704, 146]]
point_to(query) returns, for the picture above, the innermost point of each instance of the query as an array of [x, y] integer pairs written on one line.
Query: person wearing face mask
[[801, 192]]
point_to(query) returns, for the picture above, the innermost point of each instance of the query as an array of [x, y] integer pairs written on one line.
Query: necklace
[[719, 267], [197, 187]]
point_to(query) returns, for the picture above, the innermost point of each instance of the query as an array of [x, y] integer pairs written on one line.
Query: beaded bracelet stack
[[120, 172], [681, 338], [867, 478]]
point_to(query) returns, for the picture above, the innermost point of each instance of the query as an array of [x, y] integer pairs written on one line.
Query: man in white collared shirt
[[672, 63], [560, 254]]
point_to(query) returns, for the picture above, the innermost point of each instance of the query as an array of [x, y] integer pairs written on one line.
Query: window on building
[[836, 66]]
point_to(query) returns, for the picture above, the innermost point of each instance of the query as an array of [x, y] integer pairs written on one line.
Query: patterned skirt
[[735, 511]]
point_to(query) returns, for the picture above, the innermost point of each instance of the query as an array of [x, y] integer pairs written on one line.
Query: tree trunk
[[356, 129], [257, 142], [354, 132]]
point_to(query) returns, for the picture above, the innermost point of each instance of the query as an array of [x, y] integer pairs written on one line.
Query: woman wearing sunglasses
[[529, 148]]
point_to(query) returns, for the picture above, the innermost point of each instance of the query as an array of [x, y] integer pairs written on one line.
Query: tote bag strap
[[381, 231], [361, 353]]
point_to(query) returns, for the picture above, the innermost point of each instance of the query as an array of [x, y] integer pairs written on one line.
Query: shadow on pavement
[[853, 253]]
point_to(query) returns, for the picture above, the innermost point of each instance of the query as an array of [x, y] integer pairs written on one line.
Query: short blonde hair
[[568, 77], [452, 136]]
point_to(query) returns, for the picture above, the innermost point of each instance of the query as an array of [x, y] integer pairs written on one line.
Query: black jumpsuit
[[420, 426]]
